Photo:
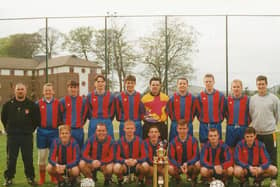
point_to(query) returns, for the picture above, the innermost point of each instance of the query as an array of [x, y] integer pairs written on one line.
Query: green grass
[[20, 180]]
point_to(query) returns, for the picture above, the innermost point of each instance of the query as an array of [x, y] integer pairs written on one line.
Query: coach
[[20, 116]]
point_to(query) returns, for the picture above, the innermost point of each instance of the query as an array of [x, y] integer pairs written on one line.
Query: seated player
[[216, 159], [252, 160], [151, 145], [98, 154], [64, 157], [130, 155], [183, 154]]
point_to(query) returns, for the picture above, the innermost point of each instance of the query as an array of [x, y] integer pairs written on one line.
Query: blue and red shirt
[[99, 150], [257, 155], [210, 107], [181, 107], [151, 150], [220, 155], [133, 149], [129, 107], [181, 152], [74, 111], [68, 154], [237, 111], [50, 117], [101, 106]]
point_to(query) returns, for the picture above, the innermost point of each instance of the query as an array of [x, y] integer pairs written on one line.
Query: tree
[[121, 56], [79, 41], [54, 40], [181, 44], [20, 45]]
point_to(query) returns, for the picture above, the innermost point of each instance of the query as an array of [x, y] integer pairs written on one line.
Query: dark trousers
[[14, 144], [163, 129]]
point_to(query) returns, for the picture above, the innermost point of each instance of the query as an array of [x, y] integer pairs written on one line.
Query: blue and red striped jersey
[[50, 117], [181, 107], [134, 149], [210, 107], [237, 110], [101, 106], [257, 155], [183, 152], [68, 155], [129, 107], [151, 150], [74, 111], [220, 155], [99, 150]]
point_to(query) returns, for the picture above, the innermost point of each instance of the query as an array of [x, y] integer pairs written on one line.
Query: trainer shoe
[[8, 182]]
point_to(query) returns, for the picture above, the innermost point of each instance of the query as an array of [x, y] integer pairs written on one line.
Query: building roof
[[17, 63], [22, 63]]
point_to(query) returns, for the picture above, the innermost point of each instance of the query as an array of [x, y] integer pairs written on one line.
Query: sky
[[254, 41]]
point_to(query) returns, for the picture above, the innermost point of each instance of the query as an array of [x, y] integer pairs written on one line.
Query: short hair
[[48, 84], [209, 75], [182, 78], [130, 78], [64, 127], [72, 83], [101, 124], [183, 122], [20, 83], [261, 78], [250, 130], [155, 127], [213, 130], [129, 122], [237, 81], [155, 79], [99, 76]]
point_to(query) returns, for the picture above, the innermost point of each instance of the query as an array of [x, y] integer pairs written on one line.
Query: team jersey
[[74, 111], [129, 107], [101, 106], [134, 149], [151, 150], [50, 117], [255, 156], [68, 155], [210, 107], [237, 111], [220, 155], [181, 107], [98, 150], [183, 152]]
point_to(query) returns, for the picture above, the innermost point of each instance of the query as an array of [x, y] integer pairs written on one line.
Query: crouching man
[[64, 157]]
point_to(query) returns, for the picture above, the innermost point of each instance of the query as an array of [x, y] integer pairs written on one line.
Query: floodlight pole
[[106, 55], [47, 51], [166, 56], [226, 55]]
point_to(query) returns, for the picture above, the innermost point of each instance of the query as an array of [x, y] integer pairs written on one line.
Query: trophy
[[160, 159]]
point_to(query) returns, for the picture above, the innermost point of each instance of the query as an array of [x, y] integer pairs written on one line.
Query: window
[[83, 70], [71, 70], [12, 72], [52, 70], [83, 83], [25, 72]]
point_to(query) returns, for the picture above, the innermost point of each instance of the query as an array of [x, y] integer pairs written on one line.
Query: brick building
[[32, 73]]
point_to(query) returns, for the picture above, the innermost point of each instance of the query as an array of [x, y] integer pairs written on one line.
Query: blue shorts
[[173, 130], [138, 132], [45, 137], [78, 135], [204, 128], [234, 134], [93, 123]]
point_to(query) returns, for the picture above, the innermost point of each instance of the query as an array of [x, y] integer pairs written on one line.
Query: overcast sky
[[254, 42]]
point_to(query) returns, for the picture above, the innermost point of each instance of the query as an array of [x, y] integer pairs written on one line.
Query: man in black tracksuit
[[20, 116]]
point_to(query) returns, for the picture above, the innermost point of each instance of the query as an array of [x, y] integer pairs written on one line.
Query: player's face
[[209, 83], [129, 129], [101, 132], [154, 134], [20, 91], [182, 130], [100, 84], [130, 86], [64, 136], [262, 87], [155, 87], [213, 137], [48, 92], [73, 90], [236, 89], [250, 138], [182, 86]]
